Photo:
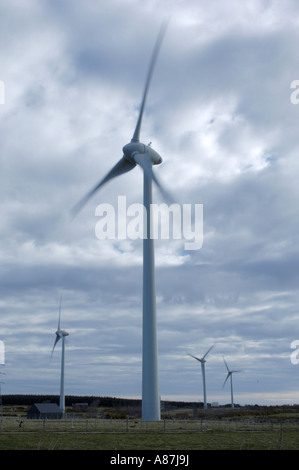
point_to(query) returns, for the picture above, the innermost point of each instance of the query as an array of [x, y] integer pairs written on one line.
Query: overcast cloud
[[219, 112]]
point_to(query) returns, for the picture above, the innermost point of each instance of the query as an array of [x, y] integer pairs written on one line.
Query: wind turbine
[[61, 334], [230, 375], [202, 361], [137, 153]]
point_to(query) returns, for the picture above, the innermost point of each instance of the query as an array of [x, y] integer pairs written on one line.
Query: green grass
[[117, 434], [213, 440]]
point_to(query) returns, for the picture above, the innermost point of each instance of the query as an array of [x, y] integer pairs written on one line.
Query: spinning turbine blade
[[208, 351], [56, 341], [229, 373], [226, 379], [121, 167], [144, 160], [159, 40], [197, 358]]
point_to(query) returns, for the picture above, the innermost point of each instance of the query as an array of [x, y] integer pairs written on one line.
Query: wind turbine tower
[[61, 334], [202, 361], [230, 375], [135, 153]]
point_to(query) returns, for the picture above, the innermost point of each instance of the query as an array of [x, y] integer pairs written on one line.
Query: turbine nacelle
[[134, 148], [61, 333]]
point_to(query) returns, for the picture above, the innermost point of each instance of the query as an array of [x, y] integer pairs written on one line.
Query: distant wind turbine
[[137, 153], [61, 334], [230, 375], [202, 361]]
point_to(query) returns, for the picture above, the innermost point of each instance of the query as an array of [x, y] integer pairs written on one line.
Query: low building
[[79, 406], [44, 411]]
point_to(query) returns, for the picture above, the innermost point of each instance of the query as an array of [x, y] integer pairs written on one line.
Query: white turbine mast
[[136, 153], [202, 361], [61, 334]]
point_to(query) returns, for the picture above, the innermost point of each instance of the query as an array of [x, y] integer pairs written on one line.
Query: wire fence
[[75, 424]]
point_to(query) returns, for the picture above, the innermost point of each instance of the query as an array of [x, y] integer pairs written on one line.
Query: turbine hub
[[137, 147], [61, 333]]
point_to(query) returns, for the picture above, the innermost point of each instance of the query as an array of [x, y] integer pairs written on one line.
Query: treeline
[[28, 400], [92, 401], [114, 402]]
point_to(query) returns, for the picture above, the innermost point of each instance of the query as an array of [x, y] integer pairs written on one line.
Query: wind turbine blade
[[144, 160], [226, 365], [155, 53], [58, 336], [208, 351], [121, 167], [195, 357], [226, 379], [56, 341]]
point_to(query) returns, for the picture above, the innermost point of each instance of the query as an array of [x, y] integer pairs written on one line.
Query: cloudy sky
[[220, 113]]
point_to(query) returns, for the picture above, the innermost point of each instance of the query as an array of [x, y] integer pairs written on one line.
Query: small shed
[[44, 411], [79, 406]]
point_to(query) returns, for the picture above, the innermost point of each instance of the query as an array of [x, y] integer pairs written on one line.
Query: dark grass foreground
[[214, 440]]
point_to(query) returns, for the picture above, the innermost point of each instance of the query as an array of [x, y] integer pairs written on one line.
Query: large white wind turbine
[[137, 153], [202, 361], [61, 334], [230, 375]]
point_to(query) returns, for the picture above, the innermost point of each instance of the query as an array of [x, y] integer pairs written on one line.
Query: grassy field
[[214, 440], [98, 434], [210, 431]]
